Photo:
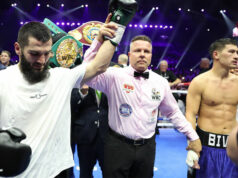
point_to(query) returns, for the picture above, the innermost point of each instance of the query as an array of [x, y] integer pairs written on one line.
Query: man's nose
[[236, 56], [142, 53], [42, 58]]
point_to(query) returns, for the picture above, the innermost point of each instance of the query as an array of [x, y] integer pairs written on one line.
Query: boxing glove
[[14, 156], [122, 13]]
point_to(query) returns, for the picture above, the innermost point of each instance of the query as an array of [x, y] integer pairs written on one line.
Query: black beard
[[31, 75]]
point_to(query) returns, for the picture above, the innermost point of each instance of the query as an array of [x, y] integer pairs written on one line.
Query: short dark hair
[[8, 53], [33, 29], [141, 37], [220, 44]]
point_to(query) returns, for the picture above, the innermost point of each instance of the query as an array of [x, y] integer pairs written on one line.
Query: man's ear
[[17, 48], [215, 55], [128, 54]]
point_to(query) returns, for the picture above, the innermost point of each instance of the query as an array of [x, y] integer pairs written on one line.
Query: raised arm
[[122, 11], [104, 55]]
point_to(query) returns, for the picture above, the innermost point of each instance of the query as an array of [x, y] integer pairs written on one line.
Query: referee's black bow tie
[[145, 74]]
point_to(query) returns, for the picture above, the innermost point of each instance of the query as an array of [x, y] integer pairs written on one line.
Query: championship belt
[[86, 32], [66, 50]]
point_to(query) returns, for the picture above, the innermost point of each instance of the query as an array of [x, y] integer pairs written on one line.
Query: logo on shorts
[[125, 110], [155, 95], [128, 88], [218, 141]]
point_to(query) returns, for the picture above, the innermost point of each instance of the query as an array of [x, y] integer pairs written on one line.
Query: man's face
[[228, 57], [140, 55], [163, 66], [5, 58], [205, 64], [34, 60]]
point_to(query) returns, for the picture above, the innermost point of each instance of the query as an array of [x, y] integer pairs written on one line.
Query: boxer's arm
[[232, 145], [193, 101]]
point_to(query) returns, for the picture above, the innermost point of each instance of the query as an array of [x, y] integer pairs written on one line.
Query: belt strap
[[128, 140], [54, 28]]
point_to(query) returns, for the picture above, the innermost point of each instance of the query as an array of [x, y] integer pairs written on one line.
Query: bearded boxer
[[213, 98], [36, 99]]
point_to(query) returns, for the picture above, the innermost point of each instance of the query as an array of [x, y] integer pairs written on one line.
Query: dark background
[[188, 40]]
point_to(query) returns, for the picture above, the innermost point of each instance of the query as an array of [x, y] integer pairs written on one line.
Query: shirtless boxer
[[213, 97]]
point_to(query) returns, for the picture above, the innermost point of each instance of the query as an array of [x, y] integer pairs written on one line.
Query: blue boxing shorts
[[214, 161]]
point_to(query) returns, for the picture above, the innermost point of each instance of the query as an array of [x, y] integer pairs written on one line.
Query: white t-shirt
[[42, 111]]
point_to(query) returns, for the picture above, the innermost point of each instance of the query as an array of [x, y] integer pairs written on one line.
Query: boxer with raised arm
[[36, 100]]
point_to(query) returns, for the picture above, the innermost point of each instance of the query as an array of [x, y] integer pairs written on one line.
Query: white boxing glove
[[191, 157]]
